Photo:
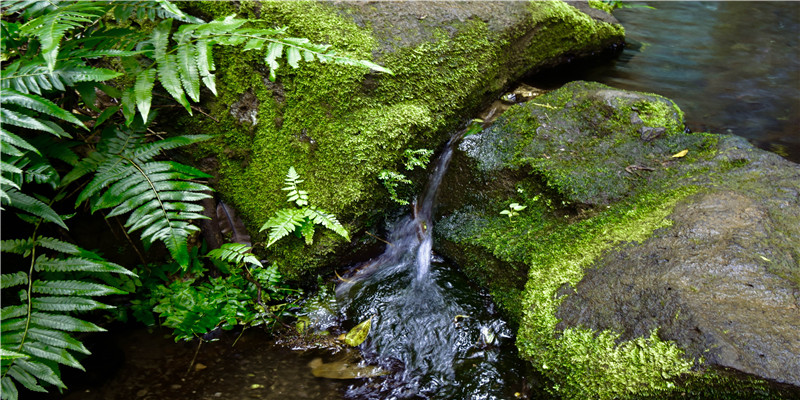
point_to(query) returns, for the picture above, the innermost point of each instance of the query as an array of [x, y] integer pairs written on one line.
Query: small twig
[[200, 343], [390, 244]]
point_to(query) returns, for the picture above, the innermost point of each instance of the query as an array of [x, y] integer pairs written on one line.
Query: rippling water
[[732, 66]]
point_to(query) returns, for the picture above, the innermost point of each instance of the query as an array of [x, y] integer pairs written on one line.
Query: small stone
[[200, 367]]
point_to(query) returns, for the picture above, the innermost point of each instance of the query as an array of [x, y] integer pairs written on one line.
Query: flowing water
[[435, 332], [732, 66]]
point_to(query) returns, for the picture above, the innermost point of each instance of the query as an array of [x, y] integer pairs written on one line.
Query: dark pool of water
[[732, 66]]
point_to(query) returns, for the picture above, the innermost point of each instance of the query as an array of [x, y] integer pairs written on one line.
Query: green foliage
[[247, 294], [82, 78], [301, 221], [513, 210], [36, 330], [391, 179]]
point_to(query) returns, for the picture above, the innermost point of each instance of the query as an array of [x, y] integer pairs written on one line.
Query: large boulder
[[340, 126], [645, 252]]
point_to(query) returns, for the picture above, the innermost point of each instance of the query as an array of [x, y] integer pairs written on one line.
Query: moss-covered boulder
[[647, 260], [340, 126]]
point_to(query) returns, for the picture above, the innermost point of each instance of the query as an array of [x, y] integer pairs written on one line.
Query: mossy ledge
[[340, 126], [602, 171]]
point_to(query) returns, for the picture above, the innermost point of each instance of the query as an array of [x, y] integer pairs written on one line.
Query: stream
[[733, 67]]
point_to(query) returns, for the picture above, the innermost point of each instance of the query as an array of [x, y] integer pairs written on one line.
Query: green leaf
[[293, 56], [274, 51], [128, 104], [16, 279], [63, 323], [359, 333], [73, 288], [9, 390], [26, 379], [57, 339], [187, 63], [329, 221], [143, 91], [40, 104], [33, 206], [41, 371], [284, 222], [66, 304], [205, 64], [167, 65], [307, 231], [59, 355]]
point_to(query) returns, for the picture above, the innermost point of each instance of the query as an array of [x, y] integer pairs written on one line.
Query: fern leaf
[[33, 206], [58, 245], [167, 65], [73, 288], [7, 137], [284, 222], [24, 121], [329, 221], [274, 51], [26, 379], [293, 56], [9, 389], [16, 279], [176, 13], [205, 64], [143, 91], [187, 63], [234, 253], [58, 339], [6, 354], [40, 104], [128, 105], [299, 197], [66, 304], [59, 355], [44, 263], [63, 323], [51, 27], [9, 312], [307, 231], [42, 371]]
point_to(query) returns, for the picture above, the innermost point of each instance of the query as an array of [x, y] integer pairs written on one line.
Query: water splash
[[431, 326]]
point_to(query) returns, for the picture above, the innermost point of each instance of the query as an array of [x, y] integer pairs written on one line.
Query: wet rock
[[704, 247], [342, 125]]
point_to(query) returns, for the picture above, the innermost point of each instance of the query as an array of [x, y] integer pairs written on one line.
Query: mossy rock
[[339, 126], [637, 255]]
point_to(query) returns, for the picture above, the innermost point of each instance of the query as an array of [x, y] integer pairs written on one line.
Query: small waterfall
[[430, 326]]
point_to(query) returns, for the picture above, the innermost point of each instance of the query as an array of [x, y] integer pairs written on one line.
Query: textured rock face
[[624, 233], [340, 126], [705, 283]]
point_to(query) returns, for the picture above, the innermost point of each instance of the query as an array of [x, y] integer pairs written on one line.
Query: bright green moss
[[339, 126]]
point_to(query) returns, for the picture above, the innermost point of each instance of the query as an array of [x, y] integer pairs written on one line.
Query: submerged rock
[[339, 126], [642, 246]]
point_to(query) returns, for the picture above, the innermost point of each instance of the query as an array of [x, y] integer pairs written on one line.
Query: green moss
[[339, 126], [601, 5]]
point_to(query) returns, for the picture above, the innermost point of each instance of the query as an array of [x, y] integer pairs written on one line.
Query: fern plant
[[36, 332], [301, 220], [76, 81]]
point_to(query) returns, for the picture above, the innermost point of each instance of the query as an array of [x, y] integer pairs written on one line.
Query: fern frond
[[25, 121], [42, 371], [63, 323], [7, 137], [57, 338], [37, 103], [73, 288], [205, 64], [34, 76], [72, 264], [187, 62], [33, 206], [50, 27], [16, 279], [6, 354], [25, 378], [167, 64], [143, 92], [284, 222], [325, 219], [300, 197], [67, 304], [234, 253], [59, 355], [307, 232]]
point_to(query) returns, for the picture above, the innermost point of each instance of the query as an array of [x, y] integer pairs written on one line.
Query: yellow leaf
[[359, 333], [680, 154]]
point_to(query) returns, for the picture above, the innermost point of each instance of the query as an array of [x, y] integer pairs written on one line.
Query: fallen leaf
[[359, 333], [680, 154]]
